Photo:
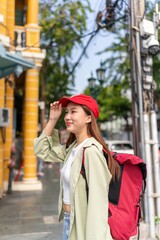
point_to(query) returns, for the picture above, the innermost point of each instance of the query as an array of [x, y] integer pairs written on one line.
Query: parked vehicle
[[120, 146]]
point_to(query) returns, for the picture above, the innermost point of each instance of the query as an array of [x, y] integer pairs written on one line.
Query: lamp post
[[94, 87]]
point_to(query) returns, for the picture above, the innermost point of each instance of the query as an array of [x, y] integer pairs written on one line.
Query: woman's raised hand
[[55, 111]]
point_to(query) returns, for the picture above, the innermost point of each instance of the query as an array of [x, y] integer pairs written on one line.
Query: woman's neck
[[80, 139]]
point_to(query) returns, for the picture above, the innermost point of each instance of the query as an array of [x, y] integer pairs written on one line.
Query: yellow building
[[20, 62]]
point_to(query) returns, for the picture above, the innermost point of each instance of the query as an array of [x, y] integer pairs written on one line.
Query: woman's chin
[[69, 129]]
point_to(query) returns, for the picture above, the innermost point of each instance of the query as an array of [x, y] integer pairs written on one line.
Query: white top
[[65, 172]]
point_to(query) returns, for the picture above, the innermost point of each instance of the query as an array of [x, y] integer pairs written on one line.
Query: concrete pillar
[[30, 123]]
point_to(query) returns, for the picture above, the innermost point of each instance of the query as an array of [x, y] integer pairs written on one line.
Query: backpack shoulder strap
[[83, 172]]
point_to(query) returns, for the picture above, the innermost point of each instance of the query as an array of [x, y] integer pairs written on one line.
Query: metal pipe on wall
[[139, 86], [136, 83], [154, 136], [133, 79], [150, 183]]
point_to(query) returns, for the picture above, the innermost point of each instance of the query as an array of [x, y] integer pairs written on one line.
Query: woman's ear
[[88, 119]]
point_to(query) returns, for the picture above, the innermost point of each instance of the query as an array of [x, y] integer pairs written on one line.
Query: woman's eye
[[72, 111]]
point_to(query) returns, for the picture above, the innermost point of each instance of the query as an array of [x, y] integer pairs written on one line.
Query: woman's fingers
[[54, 105]]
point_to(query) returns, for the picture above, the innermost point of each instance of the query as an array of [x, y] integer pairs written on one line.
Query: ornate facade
[[20, 63]]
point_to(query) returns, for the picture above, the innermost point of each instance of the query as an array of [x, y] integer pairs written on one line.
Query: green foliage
[[118, 70], [112, 99], [62, 25], [118, 66], [157, 221], [114, 102]]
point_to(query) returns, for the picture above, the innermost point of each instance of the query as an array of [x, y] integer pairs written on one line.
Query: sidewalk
[[32, 215]]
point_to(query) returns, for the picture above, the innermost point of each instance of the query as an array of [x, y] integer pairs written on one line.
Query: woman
[[83, 219]]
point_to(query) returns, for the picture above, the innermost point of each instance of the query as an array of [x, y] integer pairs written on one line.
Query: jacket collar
[[88, 143], [93, 141]]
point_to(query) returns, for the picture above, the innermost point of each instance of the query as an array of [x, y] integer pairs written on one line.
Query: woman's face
[[76, 119]]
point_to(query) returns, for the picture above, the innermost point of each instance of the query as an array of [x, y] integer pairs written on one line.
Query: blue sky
[[99, 42]]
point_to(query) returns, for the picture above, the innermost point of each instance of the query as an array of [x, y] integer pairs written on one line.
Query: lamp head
[[101, 74], [92, 81]]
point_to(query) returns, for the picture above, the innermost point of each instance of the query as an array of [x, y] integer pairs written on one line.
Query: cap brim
[[64, 101]]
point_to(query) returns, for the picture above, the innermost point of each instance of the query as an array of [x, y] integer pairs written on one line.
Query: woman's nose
[[67, 116]]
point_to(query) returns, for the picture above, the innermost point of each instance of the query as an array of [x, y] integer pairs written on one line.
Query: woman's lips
[[68, 124]]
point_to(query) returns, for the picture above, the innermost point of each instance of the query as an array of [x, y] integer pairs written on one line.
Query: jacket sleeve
[[98, 178], [49, 148]]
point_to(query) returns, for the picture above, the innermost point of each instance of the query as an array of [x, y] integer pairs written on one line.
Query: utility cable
[[84, 50]]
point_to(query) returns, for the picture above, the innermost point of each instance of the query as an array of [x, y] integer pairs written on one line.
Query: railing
[[20, 37]]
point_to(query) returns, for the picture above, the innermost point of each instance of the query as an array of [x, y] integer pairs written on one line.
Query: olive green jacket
[[88, 221]]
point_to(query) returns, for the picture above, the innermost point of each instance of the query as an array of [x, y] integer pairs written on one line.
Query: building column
[[9, 103], [30, 123], [32, 28], [3, 9], [3, 12], [2, 90], [32, 7], [10, 18]]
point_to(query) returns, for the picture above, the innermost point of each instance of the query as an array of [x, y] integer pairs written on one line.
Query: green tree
[[118, 70], [113, 101], [63, 23], [118, 64]]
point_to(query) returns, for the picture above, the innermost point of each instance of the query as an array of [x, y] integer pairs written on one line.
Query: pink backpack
[[125, 195]]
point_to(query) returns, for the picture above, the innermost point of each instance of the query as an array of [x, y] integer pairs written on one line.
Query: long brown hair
[[94, 131]]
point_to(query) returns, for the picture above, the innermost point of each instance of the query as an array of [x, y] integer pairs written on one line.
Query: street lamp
[[92, 81], [95, 88], [101, 74]]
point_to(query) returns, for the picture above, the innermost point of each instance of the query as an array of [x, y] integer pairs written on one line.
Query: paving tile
[[27, 236], [32, 215]]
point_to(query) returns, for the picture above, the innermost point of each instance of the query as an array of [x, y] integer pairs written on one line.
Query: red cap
[[81, 99]]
